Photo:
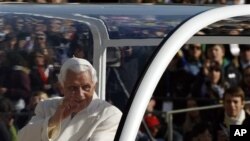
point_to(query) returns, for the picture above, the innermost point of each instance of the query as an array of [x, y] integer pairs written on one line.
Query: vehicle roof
[[132, 19], [65, 10], [137, 21]]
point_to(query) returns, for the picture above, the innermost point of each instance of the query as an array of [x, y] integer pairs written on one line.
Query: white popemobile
[[165, 28]]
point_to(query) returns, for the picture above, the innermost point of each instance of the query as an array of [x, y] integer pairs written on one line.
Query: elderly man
[[79, 116]]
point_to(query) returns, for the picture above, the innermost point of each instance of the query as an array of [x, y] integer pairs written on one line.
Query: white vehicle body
[[197, 18]]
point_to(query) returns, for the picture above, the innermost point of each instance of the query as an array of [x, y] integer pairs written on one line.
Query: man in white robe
[[79, 116]]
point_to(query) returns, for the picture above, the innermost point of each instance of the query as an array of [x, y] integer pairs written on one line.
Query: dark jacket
[[37, 84], [219, 122], [17, 83], [4, 132]]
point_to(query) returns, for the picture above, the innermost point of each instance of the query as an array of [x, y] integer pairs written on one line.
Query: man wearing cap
[[79, 116]]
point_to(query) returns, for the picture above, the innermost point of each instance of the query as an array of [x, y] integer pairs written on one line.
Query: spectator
[[7, 128], [11, 42], [192, 118], [245, 83], [16, 83], [54, 32], [193, 59], [19, 24], [40, 40], [76, 50], [42, 74], [244, 58], [28, 112], [211, 86], [156, 126], [234, 113], [153, 124], [217, 53], [201, 132], [151, 119]]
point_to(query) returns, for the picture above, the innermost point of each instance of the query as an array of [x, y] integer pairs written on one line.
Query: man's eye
[[86, 88], [75, 88]]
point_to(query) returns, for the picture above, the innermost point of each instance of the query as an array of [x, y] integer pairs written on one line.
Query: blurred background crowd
[[31, 52]]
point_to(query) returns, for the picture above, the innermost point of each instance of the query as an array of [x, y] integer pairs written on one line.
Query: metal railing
[[169, 116]]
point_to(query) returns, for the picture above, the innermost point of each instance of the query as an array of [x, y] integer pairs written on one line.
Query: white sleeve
[[106, 130], [36, 129]]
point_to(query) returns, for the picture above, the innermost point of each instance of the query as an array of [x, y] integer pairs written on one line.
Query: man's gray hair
[[76, 65]]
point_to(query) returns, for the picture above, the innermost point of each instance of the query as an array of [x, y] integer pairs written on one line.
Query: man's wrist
[[53, 127], [52, 122]]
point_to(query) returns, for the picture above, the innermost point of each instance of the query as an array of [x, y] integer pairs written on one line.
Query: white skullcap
[[77, 65]]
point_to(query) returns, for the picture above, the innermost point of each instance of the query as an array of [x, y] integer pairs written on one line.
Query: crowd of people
[[208, 125], [203, 75], [31, 52]]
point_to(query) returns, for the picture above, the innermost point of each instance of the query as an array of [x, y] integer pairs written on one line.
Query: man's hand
[[68, 107]]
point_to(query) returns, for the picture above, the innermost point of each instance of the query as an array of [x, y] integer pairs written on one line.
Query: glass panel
[[139, 27], [124, 66], [199, 75], [62, 37], [34, 42], [229, 27]]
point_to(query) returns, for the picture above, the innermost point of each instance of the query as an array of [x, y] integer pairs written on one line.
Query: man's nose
[[80, 92], [232, 104]]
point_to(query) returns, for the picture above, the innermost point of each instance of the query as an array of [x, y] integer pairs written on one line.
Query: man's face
[[216, 53], [79, 87], [245, 55], [39, 59], [55, 25], [214, 75], [233, 105], [195, 51]]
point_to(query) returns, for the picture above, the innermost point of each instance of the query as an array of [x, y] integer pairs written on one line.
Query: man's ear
[[243, 103], [61, 88], [95, 86]]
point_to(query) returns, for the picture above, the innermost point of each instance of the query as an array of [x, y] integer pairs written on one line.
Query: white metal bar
[[193, 40], [132, 42], [163, 58], [220, 39], [99, 56]]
